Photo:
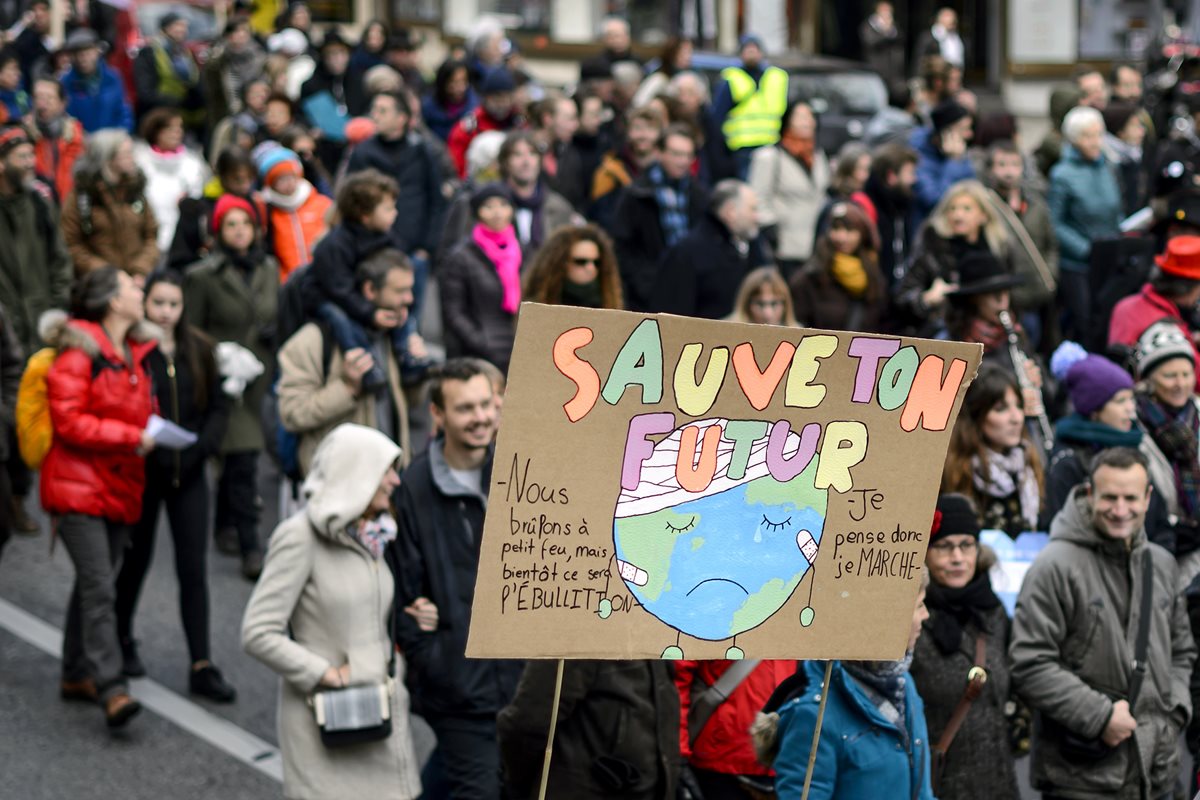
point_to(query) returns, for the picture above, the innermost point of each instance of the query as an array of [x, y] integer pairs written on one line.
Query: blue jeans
[[349, 334]]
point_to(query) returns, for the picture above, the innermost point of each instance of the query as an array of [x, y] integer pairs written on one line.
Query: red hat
[[1182, 258], [227, 203]]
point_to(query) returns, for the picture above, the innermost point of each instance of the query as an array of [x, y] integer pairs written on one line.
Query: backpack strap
[[705, 704], [1141, 647]]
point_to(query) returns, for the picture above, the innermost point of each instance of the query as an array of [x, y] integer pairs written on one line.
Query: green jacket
[[35, 270], [223, 304], [1072, 646]]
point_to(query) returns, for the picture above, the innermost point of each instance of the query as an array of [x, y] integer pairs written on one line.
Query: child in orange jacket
[[294, 213]]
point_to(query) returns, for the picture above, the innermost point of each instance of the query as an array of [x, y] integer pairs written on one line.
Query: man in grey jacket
[[1073, 645]]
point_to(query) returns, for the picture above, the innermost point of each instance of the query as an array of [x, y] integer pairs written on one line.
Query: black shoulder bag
[[1078, 748], [357, 714]]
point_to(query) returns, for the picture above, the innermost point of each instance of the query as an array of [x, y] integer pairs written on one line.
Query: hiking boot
[[119, 709], [22, 523], [131, 664], [227, 541], [84, 690], [210, 683], [252, 564]]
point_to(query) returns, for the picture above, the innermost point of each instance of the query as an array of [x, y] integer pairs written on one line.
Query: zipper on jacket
[[175, 415]]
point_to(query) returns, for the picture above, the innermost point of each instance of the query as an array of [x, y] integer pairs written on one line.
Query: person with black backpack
[[321, 384]]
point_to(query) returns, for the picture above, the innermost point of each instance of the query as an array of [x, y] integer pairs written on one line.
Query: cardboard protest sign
[[682, 488]]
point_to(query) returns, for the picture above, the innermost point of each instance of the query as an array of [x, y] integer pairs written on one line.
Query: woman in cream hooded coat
[[325, 579]]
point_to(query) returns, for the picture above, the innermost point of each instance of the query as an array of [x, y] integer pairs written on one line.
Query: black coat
[[335, 260], [700, 276], [436, 555], [12, 365], [474, 322], [638, 236], [345, 91], [894, 236], [611, 713], [176, 398], [421, 205]]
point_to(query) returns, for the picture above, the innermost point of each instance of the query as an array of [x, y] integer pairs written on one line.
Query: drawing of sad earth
[[720, 562]]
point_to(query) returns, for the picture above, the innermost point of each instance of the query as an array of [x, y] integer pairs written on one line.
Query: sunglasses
[[583, 262]]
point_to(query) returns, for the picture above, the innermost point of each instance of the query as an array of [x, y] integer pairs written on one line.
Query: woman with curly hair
[[992, 459], [576, 266], [763, 299]]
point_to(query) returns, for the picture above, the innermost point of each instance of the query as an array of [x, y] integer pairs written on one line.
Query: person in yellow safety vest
[[165, 74], [749, 103]]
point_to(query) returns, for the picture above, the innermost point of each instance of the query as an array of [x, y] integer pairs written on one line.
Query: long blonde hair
[[755, 281], [993, 230]]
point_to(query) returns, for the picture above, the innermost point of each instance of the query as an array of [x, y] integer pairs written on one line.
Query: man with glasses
[[1112, 695], [655, 212]]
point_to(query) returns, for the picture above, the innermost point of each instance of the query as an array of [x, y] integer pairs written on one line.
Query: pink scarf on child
[[504, 251]]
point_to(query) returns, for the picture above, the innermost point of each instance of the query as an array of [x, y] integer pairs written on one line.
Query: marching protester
[[577, 266], [842, 285], [93, 476], [187, 390], [321, 617], [764, 299]]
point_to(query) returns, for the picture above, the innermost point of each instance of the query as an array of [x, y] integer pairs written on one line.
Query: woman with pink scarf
[[480, 281]]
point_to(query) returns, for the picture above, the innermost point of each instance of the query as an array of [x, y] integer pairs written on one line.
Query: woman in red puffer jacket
[[92, 479]]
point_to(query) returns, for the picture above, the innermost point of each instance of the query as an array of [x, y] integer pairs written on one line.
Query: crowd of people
[[246, 248]]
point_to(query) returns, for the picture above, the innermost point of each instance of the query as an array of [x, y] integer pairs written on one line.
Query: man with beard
[[1026, 218], [59, 137], [439, 511], [890, 187], [35, 272], [497, 112], [538, 211], [700, 276]]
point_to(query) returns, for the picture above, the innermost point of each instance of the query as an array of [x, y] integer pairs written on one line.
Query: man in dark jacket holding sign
[[439, 510], [1101, 647]]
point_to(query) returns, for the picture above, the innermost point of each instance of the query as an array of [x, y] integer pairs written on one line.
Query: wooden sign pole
[[812, 753], [558, 678]]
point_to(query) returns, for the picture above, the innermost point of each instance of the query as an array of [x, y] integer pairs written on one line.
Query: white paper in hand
[[168, 435]]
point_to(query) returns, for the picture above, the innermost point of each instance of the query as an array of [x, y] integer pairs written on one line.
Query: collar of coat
[[62, 332]]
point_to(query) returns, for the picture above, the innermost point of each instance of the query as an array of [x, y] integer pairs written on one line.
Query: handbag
[[976, 678], [357, 714], [1080, 748]]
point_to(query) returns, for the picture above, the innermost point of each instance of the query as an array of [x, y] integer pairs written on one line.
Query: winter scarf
[[1175, 433], [672, 199], [850, 274], [951, 609], [1076, 429], [1004, 474], [374, 534], [582, 295], [989, 334], [288, 202], [798, 148], [504, 251], [883, 682], [532, 204]]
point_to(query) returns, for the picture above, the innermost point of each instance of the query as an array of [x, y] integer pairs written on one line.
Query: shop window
[[426, 11]]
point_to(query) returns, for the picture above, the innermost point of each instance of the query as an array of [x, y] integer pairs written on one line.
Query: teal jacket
[[1085, 205], [860, 752]]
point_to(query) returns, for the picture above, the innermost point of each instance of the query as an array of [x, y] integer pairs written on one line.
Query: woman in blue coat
[[1085, 205], [873, 740]]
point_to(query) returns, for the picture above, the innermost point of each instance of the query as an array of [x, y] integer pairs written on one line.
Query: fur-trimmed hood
[[62, 332]]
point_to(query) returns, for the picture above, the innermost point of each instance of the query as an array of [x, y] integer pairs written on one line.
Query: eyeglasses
[[583, 262], [966, 548]]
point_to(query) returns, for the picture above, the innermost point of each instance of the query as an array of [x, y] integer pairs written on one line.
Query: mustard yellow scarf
[[850, 274]]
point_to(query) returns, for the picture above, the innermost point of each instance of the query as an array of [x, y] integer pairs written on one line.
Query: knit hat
[[946, 114], [12, 137], [288, 41], [278, 161], [487, 192], [1160, 343], [498, 81], [751, 38], [169, 19], [1182, 258], [1091, 380], [227, 203], [955, 516]]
